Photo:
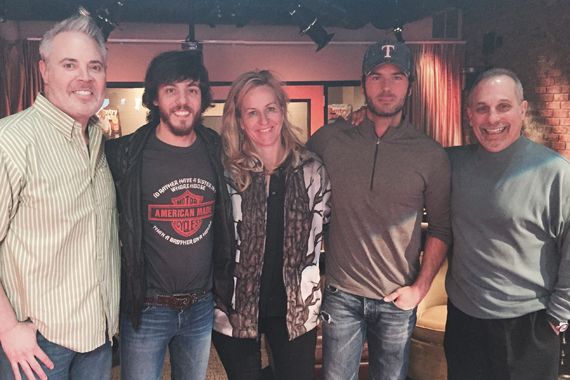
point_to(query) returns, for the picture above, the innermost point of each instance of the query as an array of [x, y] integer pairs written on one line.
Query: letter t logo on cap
[[388, 49]]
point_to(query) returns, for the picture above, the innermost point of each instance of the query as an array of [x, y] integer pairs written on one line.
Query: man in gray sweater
[[383, 173], [509, 276]]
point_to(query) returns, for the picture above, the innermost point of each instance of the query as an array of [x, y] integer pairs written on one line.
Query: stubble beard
[[389, 112]]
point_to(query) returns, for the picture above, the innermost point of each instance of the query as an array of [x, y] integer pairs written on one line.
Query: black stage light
[[398, 33], [215, 15], [239, 14], [191, 44], [398, 28], [106, 16], [310, 25]]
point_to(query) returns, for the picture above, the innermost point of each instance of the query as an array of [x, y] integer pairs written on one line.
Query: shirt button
[[273, 193]]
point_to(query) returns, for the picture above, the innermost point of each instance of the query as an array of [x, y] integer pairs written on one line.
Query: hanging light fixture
[[190, 42]]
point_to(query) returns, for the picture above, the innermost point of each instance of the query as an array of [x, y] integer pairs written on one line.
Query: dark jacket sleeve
[[125, 168], [224, 249]]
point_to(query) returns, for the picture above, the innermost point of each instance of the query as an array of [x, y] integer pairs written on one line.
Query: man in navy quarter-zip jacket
[[383, 173]]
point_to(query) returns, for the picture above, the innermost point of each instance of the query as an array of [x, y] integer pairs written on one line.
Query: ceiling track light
[[398, 33], [106, 16], [398, 30], [239, 14], [191, 44], [310, 25], [215, 15]]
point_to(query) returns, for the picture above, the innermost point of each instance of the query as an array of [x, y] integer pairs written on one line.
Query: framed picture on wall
[[110, 122], [338, 110]]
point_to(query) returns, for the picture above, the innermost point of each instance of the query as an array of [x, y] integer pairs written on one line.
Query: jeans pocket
[[400, 309]]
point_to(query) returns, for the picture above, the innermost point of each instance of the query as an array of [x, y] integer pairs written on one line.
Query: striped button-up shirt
[[59, 246]]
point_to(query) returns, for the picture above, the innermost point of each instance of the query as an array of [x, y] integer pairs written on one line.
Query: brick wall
[[536, 46]]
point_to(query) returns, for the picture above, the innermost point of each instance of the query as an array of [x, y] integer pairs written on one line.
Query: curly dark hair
[[173, 67]]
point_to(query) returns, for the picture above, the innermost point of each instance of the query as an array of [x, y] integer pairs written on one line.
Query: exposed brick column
[[554, 109]]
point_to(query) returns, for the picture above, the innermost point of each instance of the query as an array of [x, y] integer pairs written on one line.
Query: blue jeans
[[68, 365], [348, 320], [187, 333]]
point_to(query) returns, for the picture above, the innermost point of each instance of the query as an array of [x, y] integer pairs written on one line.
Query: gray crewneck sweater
[[510, 217]]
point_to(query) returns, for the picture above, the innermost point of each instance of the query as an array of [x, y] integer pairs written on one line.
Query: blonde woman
[[280, 197]]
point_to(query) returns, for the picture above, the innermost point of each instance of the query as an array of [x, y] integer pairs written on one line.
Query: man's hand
[[406, 298], [358, 116], [21, 347]]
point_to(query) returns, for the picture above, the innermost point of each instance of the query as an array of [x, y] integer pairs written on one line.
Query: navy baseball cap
[[388, 52]]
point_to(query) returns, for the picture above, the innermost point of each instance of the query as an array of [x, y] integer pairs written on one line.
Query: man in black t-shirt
[[171, 197]]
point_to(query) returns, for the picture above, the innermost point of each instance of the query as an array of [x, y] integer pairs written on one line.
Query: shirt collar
[[367, 128], [508, 151], [62, 122]]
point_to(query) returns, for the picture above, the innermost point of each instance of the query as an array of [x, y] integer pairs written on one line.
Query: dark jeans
[[187, 334], [294, 360], [522, 348]]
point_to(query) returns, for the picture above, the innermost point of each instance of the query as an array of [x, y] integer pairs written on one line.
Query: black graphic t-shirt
[[178, 195]]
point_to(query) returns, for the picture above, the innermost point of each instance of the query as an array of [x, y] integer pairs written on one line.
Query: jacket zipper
[[374, 163]]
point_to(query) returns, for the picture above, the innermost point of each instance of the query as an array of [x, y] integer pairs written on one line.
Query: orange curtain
[[21, 80], [34, 83], [435, 103]]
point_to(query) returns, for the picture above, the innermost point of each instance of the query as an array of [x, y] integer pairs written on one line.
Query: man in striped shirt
[[59, 250]]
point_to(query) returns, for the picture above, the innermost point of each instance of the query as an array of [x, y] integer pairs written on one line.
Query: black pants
[[522, 348], [294, 360]]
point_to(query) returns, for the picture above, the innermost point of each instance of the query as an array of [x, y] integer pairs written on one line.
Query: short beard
[[372, 107], [181, 130]]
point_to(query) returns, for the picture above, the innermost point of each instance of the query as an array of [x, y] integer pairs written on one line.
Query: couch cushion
[[427, 361], [431, 325], [433, 318]]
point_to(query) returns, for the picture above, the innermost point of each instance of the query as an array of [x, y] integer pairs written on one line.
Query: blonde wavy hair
[[239, 156]]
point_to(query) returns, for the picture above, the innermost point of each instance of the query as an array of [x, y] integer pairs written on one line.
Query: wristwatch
[[558, 325]]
